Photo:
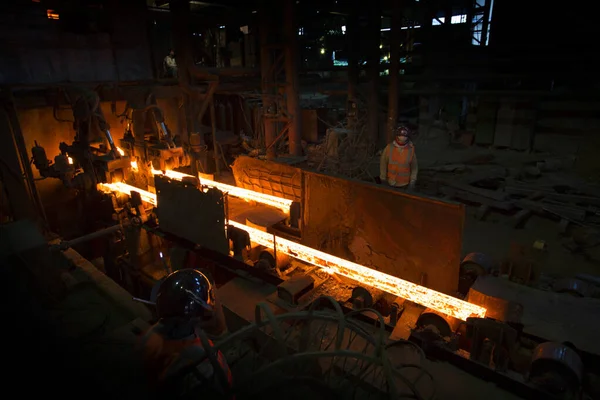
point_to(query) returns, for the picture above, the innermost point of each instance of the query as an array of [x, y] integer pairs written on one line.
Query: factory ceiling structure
[[245, 199]]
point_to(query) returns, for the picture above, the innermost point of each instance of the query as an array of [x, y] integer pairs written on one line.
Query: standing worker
[[178, 356], [398, 165], [170, 65]]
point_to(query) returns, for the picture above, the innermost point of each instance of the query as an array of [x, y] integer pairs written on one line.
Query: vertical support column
[[11, 172], [213, 123], [395, 33], [470, 8], [352, 45], [292, 86], [373, 42], [266, 66], [486, 22], [180, 11]]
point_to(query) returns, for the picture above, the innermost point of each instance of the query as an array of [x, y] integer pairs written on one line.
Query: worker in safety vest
[[398, 164], [177, 354], [170, 65]]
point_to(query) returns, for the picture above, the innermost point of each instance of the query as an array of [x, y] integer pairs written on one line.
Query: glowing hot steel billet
[[127, 189], [396, 286], [248, 195], [407, 290]]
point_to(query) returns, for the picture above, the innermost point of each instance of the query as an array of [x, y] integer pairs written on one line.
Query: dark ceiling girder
[[209, 3]]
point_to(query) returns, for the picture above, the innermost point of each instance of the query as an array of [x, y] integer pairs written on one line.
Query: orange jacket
[[162, 357], [398, 165]]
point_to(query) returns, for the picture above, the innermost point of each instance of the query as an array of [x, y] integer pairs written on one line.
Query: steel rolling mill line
[[441, 302]]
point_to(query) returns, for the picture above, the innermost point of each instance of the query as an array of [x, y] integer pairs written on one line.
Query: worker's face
[[401, 139], [172, 53]]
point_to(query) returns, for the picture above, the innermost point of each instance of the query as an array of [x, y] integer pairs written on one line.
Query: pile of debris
[[516, 192]]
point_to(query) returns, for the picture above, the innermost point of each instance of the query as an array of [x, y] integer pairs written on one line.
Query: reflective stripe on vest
[[398, 172]]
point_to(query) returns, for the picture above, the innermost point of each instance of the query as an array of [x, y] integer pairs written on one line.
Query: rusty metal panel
[[268, 177], [414, 238], [191, 214]]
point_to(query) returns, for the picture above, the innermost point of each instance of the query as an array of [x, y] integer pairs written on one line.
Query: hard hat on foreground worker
[[176, 345], [398, 164]]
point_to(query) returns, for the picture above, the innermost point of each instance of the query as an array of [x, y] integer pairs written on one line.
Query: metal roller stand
[[557, 369], [473, 266], [442, 324]]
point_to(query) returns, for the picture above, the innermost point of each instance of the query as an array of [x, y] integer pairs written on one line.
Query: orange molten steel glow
[[248, 195], [127, 189], [421, 295]]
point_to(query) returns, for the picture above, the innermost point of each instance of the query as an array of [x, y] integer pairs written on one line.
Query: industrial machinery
[[189, 220], [148, 140], [479, 333], [81, 164]]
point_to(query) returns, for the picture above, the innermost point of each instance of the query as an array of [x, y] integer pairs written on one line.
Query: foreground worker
[[170, 65], [173, 347], [398, 164]]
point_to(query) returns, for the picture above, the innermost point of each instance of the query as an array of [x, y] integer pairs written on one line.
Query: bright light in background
[[438, 21], [301, 31], [459, 19], [343, 29], [322, 51], [52, 14], [222, 27]]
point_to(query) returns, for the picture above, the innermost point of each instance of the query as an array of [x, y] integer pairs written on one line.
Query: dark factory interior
[[328, 199]]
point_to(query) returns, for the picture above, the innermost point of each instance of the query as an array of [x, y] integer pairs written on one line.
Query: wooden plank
[[542, 208], [494, 172], [498, 196], [567, 198], [519, 218], [476, 198]]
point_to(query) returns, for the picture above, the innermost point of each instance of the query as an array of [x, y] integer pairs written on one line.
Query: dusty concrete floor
[[494, 236]]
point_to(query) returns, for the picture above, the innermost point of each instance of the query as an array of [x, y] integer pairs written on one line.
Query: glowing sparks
[[421, 295], [121, 152], [248, 195], [134, 165], [70, 160]]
